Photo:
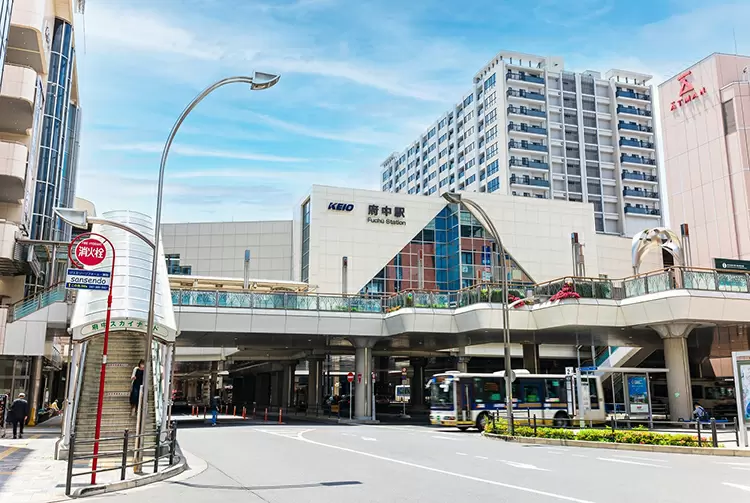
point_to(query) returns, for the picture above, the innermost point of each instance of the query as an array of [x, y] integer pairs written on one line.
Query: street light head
[[263, 81], [452, 197], [76, 218]]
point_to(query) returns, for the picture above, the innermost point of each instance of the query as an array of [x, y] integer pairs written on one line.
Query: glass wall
[[452, 252], [5, 7], [305, 265], [14, 375]]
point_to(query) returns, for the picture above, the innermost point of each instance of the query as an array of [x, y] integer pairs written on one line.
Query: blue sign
[[81, 279], [637, 386], [588, 369], [486, 255]]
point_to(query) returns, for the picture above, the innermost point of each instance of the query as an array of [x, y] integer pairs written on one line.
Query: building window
[[305, 266], [727, 115], [492, 168], [493, 185], [489, 82]]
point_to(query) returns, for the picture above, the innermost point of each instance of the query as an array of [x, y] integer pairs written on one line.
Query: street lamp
[[81, 220], [258, 82], [477, 212]]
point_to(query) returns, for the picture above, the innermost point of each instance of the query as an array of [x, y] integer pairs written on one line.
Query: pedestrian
[[135, 390], [214, 410], [699, 413], [18, 414]]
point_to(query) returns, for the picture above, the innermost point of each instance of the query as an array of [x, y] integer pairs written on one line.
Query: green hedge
[[601, 435]]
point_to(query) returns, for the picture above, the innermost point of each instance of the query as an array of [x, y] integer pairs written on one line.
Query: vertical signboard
[[741, 367], [33, 155], [637, 394]]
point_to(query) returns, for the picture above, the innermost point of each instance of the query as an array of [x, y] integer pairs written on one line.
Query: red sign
[[350, 376], [90, 252], [688, 92], [359, 377]]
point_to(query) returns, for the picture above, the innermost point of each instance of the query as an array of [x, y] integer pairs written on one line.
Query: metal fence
[[117, 447]]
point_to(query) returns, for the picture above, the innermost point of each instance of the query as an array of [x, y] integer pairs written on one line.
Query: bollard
[[156, 449], [244, 412], [71, 457], [700, 441], [714, 433], [279, 415], [265, 416], [124, 464], [234, 412], [535, 425], [204, 412]]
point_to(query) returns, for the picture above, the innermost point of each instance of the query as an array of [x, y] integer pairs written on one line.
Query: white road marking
[[349, 435], [733, 463], [370, 439], [524, 466], [438, 470], [579, 456], [481, 457], [462, 454], [625, 461], [556, 449], [446, 438], [625, 456], [738, 486], [741, 468]]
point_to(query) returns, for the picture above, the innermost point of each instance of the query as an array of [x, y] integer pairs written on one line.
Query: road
[[323, 463]]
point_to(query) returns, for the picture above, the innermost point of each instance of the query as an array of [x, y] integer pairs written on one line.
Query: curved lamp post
[[258, 82], [478, 213]]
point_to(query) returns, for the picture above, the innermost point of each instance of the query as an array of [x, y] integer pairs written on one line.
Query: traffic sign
[[81, 279], [359, 377], [588, 369], [350, 377], [90, 252], [569, 371]]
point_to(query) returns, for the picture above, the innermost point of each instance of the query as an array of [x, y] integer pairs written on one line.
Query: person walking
[[135, 390], [215, 402], [18, 414]]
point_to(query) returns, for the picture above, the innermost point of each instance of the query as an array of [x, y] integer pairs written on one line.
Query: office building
[[530, 128], [705, 118]]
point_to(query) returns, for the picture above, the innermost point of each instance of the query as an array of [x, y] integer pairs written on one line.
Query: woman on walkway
[[135, 391]]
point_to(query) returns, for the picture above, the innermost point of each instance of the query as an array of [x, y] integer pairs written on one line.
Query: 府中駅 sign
[[386, 215]]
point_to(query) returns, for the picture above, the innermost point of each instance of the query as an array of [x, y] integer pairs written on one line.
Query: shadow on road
[[267, 488]]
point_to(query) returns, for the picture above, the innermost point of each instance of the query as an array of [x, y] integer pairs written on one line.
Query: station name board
[[386, 215]]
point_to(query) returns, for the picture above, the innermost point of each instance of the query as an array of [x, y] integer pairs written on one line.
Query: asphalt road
[[324, 463]]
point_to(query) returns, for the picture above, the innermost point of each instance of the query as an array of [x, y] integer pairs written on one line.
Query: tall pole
[[143, 402], [105, 346]]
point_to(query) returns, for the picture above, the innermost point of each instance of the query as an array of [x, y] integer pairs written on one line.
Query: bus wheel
[[561, 420], [482, 421], [463, 428]]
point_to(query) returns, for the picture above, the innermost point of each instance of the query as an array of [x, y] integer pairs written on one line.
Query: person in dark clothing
[[135, 390], [18, 414], [215, 403]]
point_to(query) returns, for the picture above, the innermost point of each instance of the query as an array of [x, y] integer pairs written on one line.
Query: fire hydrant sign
[[90, 252], [81, 279]]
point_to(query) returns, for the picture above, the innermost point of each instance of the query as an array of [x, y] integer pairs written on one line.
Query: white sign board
[[81, 279]]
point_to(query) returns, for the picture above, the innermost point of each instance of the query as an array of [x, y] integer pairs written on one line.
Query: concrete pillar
[[462, 363], [36, 388], [417, 383], [675, 336], [531, 358], [383, 366], [287, 383], [214, 378], [275, 389], [363, 382], [314, 398]]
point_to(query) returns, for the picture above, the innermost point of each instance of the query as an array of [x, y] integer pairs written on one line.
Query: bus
[[467, 400]]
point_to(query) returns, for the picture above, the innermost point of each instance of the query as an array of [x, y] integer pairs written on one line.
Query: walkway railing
[[40, 300], [675, 278]]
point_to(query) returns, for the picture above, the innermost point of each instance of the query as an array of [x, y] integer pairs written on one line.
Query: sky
[[360, 79]]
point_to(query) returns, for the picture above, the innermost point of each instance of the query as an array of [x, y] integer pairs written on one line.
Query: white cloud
[[153, 148]]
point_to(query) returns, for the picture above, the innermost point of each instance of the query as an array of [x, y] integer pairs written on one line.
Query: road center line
[[624, 456], [738, 486], [438, 470], [462, 454], [445, 438], [741, 468], [482, 457], [625, 461]]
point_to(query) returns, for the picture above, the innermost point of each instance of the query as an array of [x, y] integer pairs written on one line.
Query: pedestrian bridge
[[613, 312]]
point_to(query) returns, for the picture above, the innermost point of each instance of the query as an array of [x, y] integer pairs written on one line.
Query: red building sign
[[688, 92]]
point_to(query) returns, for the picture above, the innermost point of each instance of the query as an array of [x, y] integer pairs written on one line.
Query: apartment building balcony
[[641, 210], [526, 145], [522, 94], [525, 77], [527, 129], [12, 261], [647, 194], [631, 142], [12, 171], [632, 127], [635, 159], [528, 164], [631, 110], [529, 181], [639, 177], [528, 112], [17, 99], [632, 95], [26, 35]]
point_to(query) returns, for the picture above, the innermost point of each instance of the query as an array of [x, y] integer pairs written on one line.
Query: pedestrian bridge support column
[[531, 357], [363, 367], [314, 376], [287, 383], [416, 389], [462, 362], [675, 337]]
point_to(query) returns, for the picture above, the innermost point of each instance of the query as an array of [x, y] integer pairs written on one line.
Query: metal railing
[[161, 449], [33, 303]]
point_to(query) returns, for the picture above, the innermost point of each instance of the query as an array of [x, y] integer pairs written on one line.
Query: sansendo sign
[[81, 279]]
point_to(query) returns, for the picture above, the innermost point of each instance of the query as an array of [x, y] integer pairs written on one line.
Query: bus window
[[487, 390], [532, 391], [555, 390]]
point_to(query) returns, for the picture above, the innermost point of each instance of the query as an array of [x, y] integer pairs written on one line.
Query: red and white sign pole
[[350, 378], [84, 251]]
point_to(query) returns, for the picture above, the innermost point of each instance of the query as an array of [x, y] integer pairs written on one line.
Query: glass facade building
[[305, 262], [454, 251], [5, 8]]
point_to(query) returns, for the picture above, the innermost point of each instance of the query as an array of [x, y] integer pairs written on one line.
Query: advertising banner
[[638, 394]]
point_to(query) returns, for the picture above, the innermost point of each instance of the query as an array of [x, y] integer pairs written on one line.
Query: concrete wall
[[218, 249]]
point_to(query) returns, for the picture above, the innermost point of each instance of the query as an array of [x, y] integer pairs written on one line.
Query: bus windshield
[[441, 392]]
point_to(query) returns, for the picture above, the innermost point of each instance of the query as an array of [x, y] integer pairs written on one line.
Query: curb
[[100, 489], [672, 449]]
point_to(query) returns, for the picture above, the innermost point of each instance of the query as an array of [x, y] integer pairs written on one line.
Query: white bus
[[467, 400]]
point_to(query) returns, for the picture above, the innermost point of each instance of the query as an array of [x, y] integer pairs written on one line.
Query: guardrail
[[161, 449], [32, 304]]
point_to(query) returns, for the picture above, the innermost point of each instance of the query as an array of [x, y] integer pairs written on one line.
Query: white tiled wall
[[218, 248]]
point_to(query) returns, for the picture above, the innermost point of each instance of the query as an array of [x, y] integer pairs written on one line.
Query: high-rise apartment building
[[529, 128], [705, 122]]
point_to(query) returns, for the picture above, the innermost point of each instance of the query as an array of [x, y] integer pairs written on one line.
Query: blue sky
[[359, 80]]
